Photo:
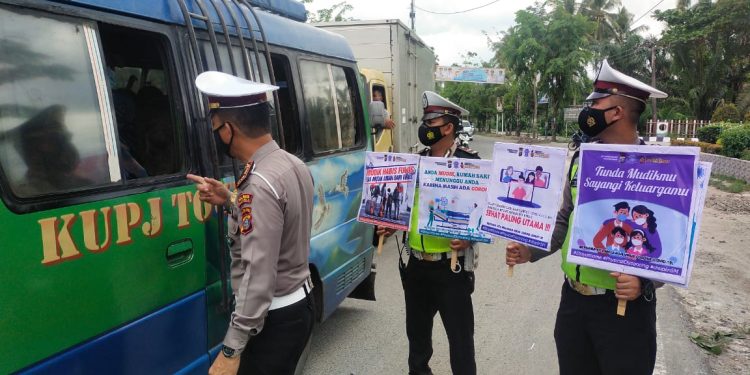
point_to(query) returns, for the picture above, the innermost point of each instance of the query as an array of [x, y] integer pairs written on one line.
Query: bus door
[[103, 259]]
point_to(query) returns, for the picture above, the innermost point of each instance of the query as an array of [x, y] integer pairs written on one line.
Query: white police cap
[[612, 82], [228, 91], [435, 106]]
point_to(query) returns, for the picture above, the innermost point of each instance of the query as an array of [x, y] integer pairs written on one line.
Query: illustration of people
[[508, 176], [398, 192], [619, 240], [539, 180], [374, 193], [644, 219], [603, 238], [530, 177], [383, 200], [639, 244], [475, 219], [519, 192], [432, 214], [389, 204]]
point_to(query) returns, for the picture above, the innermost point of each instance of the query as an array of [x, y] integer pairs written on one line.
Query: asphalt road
[[514, 321]]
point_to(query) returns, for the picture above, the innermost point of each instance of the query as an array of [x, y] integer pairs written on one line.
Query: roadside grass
[[729, 184], [715, 342]]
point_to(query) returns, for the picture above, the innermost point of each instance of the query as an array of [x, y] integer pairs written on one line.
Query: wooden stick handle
[[380, 243], [454, 260], [621, 304], [510, 271]]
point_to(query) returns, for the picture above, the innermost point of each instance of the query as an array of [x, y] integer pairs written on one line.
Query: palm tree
[[604, 14]]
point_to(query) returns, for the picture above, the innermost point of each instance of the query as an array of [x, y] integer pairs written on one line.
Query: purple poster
[[634, 210]]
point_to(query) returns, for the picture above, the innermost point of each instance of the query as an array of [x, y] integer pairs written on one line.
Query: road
[[514, 321]]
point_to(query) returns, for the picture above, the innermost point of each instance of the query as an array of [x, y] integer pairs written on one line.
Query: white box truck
[[406, 61]]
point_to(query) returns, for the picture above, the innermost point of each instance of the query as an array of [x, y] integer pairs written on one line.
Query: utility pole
[[653, 80], [411, 15]]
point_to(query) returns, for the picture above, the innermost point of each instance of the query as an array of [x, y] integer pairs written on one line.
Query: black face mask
[[429, 135], [222, 147], [591, 120]]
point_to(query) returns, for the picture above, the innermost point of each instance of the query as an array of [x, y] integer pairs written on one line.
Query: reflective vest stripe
[[587, 275]]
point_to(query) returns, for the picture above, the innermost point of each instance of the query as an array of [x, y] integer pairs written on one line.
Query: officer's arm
[[561, 226], [260, 223]]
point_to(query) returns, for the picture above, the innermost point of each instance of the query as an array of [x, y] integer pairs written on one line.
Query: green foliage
[[714, 343], [745, 155], [735, 141], [726, 112], [729, 184], [336, 13], [747, 116], [709, 52], [710, 133], [705, 146]]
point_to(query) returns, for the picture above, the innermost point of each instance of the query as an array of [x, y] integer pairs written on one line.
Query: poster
[[470, 74], [388, 189], [524, 193], [635, 210], [452, 197]]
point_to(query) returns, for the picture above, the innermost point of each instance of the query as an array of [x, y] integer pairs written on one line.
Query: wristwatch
[[229, 352]]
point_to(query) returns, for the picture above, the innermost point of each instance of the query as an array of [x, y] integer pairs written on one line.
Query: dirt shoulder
[[718, 298]]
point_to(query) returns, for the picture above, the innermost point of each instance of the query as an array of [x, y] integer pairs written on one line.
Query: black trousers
[[592, 339], [431, 287], [278, 347]]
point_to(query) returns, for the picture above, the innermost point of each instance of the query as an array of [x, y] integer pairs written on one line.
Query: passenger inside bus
[[44, 144], [148, 140]]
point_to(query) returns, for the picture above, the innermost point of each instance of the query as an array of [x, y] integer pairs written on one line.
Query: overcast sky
[[454, 35]]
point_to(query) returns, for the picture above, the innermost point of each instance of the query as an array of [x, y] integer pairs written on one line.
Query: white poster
[[452, 197], [388, 189], [524, 193]]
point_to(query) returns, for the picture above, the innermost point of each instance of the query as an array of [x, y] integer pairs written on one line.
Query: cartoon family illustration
[[631, 231], [521, 187]]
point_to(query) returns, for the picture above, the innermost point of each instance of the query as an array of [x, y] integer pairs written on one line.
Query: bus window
[[54, 136], [344, 103], [149, 141], [329, 102], [287, 101]]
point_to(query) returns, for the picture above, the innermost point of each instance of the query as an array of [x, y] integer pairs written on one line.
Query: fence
[[675, 128]]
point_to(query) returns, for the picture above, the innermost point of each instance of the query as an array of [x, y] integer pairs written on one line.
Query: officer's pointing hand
[[384, 231], [458, 245], [516, 253], [210, 190], [628, 286]]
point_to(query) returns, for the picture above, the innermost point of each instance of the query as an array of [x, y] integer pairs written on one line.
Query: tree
[[709, 46], [603, 14], [337, 12], [546, 51]]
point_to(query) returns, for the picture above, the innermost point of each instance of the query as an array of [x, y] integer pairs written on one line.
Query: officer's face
[[608, 102]]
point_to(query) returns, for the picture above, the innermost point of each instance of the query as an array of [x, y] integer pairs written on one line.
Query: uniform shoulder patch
[[244, 199], [246, 220], [465, 152]]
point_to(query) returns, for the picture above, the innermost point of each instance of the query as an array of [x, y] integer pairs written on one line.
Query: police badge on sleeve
[[246, 213]]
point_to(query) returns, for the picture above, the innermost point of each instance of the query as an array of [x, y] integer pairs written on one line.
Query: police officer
[[430, 285], [269, 232], [590, 337]]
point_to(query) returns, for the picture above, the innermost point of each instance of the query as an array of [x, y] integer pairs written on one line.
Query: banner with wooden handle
[[454, 260], [380, 243], [510, 271]]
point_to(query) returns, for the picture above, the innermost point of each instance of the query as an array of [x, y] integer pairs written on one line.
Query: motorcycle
[[463, 139], [576, 139]]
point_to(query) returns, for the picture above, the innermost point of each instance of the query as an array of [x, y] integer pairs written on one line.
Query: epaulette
[[467, 153], [245, 175], [424, 152]]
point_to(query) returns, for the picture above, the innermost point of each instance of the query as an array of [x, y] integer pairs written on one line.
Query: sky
[[454, 35]]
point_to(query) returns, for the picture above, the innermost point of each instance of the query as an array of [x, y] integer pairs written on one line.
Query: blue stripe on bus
[[172, 339]]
